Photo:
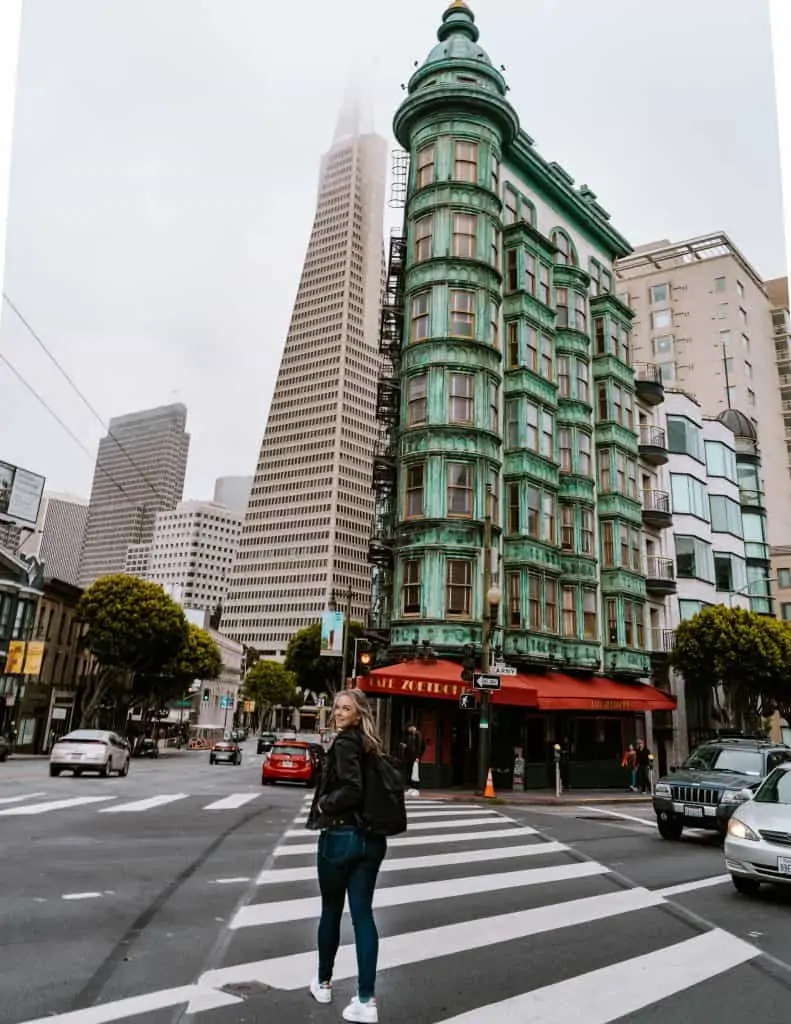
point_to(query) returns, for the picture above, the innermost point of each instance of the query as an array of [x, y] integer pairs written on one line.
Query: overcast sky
[[165, 169]]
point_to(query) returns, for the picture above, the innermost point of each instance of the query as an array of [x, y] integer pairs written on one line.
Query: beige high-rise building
[[704, 315], [140, 471], [308, 520]]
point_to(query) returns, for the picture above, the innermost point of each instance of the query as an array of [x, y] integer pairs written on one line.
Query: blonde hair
[[371, 741]]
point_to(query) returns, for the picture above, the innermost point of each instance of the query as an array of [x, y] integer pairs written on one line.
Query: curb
[[538, 801]]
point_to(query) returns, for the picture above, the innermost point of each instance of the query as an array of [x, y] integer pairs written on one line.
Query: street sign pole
[[484, 732]]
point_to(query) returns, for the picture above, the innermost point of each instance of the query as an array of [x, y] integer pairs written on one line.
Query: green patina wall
[[539, 347]]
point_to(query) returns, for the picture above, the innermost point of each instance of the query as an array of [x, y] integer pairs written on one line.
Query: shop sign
[[421, 687], [602, 704]]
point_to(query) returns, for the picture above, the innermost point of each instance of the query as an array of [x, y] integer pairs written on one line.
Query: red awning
[[442, 679], [551, 691], [559, 692]]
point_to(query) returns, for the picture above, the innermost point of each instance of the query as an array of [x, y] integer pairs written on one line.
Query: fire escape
[[388, 402]]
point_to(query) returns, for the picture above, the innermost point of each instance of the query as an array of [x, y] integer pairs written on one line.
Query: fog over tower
[[309, 516]]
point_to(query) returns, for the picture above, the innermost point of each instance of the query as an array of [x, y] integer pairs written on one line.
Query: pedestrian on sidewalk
[[630, 763], [348, 856], [643, 759], [565, 758], [413, 749]]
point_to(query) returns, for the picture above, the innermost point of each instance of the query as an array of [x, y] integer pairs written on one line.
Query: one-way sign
[[482, 682]]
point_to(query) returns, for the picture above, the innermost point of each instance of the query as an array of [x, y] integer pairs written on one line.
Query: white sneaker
[[322, 993], [363, 1013], [413, 792]]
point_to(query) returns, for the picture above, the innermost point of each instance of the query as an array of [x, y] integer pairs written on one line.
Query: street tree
[[315, 671], [199, 658], [745, 654], [268, 683], [132, 628]]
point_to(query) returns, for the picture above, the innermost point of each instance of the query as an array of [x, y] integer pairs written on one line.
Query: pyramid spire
[[356, 114]]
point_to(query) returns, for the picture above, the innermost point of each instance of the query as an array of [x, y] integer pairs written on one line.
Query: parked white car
[[758, 842], [90, 750]]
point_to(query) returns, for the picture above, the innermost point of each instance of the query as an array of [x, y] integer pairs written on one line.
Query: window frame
[[464, 587], [407, 585]]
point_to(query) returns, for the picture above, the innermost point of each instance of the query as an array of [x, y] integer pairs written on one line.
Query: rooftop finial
[[458, 18]]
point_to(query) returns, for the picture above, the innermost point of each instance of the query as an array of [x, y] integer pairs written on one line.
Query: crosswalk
[[486, 922], [31, 804]]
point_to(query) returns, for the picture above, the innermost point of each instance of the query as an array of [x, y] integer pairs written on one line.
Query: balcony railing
[[653, 436], [648, 373], [660, 569], [656, 501], [662, 640]]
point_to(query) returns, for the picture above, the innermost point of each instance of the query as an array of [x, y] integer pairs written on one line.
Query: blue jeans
[[348, 862]]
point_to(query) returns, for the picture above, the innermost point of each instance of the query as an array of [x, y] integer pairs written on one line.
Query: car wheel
[[746, 886], [106, 770], [669, 829], [53, 771], [125, 770]]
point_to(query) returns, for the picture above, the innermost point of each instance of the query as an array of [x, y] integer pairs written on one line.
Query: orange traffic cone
[[489, 791]]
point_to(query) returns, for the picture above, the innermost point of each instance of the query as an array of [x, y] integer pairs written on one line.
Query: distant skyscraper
[[308, 523], [233, 492], [190, 553], [139, 471], [58, 537]]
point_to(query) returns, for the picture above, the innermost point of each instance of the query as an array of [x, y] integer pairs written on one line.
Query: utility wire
[[132, 502], [36, 337]]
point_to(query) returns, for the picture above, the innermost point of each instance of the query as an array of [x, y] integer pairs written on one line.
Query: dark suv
[[708, 787]]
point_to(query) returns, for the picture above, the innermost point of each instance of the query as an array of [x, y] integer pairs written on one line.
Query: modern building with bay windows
[[719, 535], [509, 387]]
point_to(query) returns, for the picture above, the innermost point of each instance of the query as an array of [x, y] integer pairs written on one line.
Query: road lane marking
[[196, 998], [144, 805], [308, 874], [701, 883], [55, 805], [230, 803], [257, 914], [81, 896], [232, 881], [423, 825], [411, 815], [615, 992], [618, 814], [294, 849], [294, 972], [19, 799]]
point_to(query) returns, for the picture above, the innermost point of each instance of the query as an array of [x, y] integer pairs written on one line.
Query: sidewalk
[[540, 797]]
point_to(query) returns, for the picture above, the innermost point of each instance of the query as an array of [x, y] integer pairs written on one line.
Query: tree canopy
[[269, 683], [749, 655], [313, 670], [133, 628]]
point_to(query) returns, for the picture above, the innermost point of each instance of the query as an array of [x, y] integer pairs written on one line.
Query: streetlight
[[745, 590], [492, 597]]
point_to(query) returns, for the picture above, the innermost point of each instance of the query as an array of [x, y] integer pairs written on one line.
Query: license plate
[[288, 764], [784, 865], [693, 812]]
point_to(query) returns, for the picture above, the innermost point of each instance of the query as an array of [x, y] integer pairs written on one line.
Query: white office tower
[[233, 492], [308, 521]]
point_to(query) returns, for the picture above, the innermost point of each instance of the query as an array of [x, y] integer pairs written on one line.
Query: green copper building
[[507, 373]]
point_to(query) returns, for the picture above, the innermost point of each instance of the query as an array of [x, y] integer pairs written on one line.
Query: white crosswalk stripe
[[144, 805], [53, 805], [230, 803]]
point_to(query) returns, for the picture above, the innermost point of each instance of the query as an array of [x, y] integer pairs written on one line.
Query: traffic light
[[205, 696], [468, 663], [364, 657], [467, 702]]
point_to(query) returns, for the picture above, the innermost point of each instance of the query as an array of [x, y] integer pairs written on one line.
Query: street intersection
[[190, 890]]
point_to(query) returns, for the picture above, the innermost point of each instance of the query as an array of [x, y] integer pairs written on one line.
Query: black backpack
[[384, 809]]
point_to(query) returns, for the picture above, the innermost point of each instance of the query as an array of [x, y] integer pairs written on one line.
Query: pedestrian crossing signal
[[467, 702]]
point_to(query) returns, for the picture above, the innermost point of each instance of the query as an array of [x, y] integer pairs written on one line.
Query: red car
[[289, 761]]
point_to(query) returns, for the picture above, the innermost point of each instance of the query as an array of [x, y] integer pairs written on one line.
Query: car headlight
[[739, 830], [732, 796], [662, 789]]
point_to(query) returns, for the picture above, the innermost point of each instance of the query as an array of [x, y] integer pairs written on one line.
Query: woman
[[348, 857]]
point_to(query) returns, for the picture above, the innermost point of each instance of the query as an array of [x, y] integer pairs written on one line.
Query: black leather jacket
[[339, 795]]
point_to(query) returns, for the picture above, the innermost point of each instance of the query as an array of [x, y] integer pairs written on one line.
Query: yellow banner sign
[[34, 658], [16, 658]]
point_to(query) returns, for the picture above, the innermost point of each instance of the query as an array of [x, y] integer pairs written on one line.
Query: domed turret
[[741, 425]]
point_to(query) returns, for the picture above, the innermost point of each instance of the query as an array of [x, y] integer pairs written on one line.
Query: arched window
[[566, 253]]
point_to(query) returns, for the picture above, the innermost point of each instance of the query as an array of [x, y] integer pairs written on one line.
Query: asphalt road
[[486, 914]]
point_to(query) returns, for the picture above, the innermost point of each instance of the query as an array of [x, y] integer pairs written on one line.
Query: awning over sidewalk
[[559, 692], [551, 691], [442, 679]]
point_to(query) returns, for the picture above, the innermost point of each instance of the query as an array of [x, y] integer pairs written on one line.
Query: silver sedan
[[758, 842], [90, 750]]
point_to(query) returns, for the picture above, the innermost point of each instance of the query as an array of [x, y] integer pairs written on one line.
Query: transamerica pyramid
[[308, 520]]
